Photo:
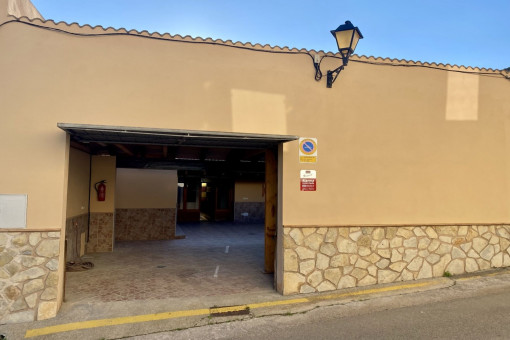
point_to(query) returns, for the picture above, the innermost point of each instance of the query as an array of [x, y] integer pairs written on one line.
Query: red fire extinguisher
[[101, 190]]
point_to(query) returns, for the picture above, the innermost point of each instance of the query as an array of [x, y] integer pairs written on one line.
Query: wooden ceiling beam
[[257, 153], [80, 146], [124, 149]]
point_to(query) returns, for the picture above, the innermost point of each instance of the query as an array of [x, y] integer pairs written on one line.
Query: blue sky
[[471, 33]]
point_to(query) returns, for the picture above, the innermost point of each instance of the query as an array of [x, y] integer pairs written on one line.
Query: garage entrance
[[220, 244]]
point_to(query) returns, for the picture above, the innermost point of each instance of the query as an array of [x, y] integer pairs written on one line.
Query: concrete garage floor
[[214, 259]]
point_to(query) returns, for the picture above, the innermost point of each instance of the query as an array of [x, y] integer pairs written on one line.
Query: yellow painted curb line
[[469, 278], [113, 322], [206, 311], [373, 291]]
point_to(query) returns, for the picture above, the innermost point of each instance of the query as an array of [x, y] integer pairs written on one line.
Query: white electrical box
[[13, 211]]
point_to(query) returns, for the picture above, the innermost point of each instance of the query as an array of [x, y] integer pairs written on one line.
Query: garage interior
[[217, 248]]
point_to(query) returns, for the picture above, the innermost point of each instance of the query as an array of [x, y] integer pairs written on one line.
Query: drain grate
[[229, 311]]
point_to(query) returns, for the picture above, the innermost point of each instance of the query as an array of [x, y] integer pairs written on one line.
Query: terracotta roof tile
[[88, 29]]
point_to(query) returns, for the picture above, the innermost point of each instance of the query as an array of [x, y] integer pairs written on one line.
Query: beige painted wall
[[34, 164], [393, 146], [103, 168], [145, 188], [249, 192], [78, 183], [389, 154]]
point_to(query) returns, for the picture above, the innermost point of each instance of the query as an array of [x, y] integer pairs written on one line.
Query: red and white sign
[[308, 180]]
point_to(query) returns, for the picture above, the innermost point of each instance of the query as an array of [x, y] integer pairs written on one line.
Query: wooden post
[[271, 208]]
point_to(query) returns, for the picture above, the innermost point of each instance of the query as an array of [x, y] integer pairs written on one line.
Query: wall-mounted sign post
[[308, 179], [308, 150]]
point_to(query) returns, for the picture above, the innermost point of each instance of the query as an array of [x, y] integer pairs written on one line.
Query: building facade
[[411, 160]]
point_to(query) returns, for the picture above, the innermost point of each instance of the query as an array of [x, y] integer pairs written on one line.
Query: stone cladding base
[[75, 227], [100, 233], [28, 275], [144, 224], [249, 212], [330, 258]]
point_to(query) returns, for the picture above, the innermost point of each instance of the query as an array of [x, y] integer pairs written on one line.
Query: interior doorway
[[202, 198], [188, 201]]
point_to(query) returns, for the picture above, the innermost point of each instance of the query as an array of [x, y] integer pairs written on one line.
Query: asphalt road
[[472, 309], [482, 317]]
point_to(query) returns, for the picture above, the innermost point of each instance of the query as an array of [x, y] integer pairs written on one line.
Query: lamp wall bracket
[[332, 75]]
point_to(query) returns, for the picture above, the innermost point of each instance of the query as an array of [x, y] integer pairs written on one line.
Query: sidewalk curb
[[243, 307], [286, 305]]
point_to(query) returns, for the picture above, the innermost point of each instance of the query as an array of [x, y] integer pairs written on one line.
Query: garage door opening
[[224, 215]]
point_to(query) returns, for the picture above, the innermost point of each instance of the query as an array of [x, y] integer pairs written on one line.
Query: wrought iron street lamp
[[347, 37]]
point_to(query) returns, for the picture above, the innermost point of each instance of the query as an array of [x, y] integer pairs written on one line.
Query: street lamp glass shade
[[347, 37]]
